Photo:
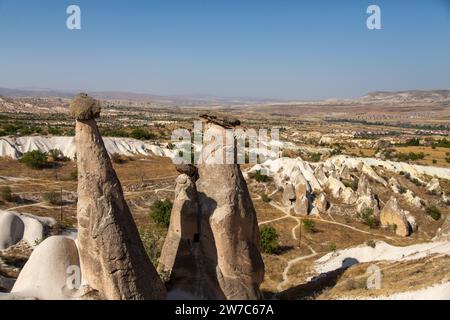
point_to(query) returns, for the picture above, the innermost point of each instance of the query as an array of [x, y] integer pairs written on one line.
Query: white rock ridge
[[14, 147]]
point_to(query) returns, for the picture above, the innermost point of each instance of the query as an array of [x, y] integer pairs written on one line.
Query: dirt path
[[287, 215], [290, 264]]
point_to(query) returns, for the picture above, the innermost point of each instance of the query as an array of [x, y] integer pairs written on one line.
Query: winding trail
[[287, 215], [290, 264]]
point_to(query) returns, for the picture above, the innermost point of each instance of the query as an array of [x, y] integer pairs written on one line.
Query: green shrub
[[332, 247], [269, 239], [368, 218], [414, 142], [265, 198], [53, 198], [142, 134], [55, 131], [5, 193], [433, 212], [402, 189], [259, 177], [410, 156], [434, 161], [371, 243], [35, 159], [114, 133], [309, 225], [444, 143], [160, 212], [315, 157], [353, 184]]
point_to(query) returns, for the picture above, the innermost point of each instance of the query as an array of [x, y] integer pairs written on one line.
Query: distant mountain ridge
[[133, 96], [406, 96]]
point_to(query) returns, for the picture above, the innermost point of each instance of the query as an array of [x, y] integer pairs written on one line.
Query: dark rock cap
[[83, 107], [188, 169]]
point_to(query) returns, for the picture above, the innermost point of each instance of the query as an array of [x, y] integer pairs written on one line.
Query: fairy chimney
[[229, 233], [113, 258]]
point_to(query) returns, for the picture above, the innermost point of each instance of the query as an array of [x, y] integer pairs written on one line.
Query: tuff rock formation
[[179, 255], [321, 203], [289, 196], [11, 229], [45, 274], [393, 216], [229, 230], [303, 199], [113, 259], [434, 187], [366, 198]]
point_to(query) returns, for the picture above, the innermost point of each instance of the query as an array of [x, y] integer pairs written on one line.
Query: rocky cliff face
[[113, 259]]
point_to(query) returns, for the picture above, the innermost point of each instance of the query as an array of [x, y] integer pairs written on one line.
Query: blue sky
[[288, 49]]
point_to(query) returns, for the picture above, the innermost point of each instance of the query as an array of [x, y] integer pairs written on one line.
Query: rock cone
[[113, 259]]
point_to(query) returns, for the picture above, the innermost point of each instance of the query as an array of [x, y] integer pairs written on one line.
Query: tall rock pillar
[[113, 258], [229, 233]]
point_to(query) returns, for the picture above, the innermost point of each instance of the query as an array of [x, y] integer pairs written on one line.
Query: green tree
[[269, 239], [309, 225], [34, 159], [367, 216], [160, 212]]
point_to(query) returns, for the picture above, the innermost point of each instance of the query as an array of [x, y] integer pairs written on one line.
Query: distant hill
[[408, 96], [34, 93], [384, 97], [132, 96]]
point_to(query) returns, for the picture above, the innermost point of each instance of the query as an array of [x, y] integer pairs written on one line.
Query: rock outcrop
[[15, 227], [113, 259], [366, 197], [303, 197], [12, 229], [393, 216], [434, 187], [45, 275], [321, 203], [289, 196]]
